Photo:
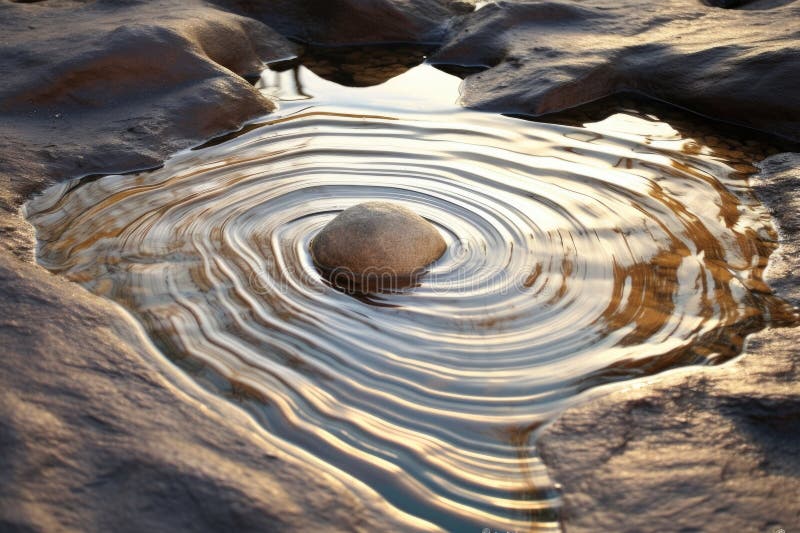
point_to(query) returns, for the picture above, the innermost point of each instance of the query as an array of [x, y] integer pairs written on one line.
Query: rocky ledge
[[737, 65]]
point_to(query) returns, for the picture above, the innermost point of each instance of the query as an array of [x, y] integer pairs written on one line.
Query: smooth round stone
[[375, 245]]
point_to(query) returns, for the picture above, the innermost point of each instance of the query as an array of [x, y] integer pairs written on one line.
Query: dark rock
[[375, 244], [348, 22], [714, 448], [115, 86], [362, 66], [727, 4], [738, 65]]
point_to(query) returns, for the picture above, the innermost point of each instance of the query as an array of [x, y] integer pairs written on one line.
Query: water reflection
[[576, 256]]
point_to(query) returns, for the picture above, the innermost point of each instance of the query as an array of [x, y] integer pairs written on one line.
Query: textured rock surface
[[379, 239], [708, 450], [739, 65], [107, 87]]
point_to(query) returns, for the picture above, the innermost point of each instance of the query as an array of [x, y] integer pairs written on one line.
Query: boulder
[[376, 245], [106, 87]]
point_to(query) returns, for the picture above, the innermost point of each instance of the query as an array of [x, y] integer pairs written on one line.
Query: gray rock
[[697, 449], [736, 65], [116, 86], [376, 244]]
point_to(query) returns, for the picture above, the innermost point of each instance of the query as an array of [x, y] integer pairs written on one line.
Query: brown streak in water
[[531, 279], [520, 438], [324, 113], [650, 302], [566, 272]]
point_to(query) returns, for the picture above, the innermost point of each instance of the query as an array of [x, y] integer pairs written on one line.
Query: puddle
[[577, 256]]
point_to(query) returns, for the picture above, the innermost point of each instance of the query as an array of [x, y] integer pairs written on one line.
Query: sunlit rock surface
[[377, 240], [711, 449], [114, 86], [98, 432], [738, 65]]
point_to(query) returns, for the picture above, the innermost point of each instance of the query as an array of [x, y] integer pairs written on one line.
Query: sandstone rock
[[115, 86], [736, 65], [375, 244], [712, 448]]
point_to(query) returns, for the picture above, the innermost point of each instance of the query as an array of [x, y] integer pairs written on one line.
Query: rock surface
[[377, 240], [348, 22], [737, 65], [712, 449], [113, 86]]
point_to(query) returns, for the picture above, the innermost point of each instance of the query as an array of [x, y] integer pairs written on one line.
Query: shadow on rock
[[736, 65]]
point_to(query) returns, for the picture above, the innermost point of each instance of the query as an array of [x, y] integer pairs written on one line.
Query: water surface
[[577, 257]]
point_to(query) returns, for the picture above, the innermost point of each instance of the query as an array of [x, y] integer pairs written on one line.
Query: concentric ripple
[[576, 257]]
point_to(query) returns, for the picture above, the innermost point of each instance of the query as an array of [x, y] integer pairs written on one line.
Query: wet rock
[[697, 448], [737, 65], [115, 86], [363, 66], [727, 4], [348, 22], [776, 187], [376, 244]]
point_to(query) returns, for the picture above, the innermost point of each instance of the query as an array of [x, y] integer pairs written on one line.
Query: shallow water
[[577, 256]]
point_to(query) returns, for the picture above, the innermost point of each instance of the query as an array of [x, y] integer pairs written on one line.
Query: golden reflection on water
[[577, 256]]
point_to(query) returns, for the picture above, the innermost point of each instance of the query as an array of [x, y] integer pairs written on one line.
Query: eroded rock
[[736, 65], [115, 86], [375, 244]]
